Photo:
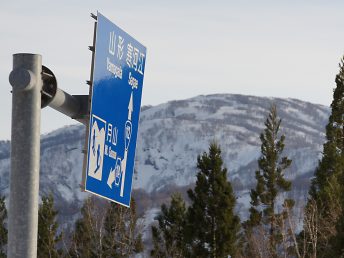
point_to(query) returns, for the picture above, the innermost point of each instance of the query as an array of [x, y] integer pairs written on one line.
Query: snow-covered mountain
[[172, 135]]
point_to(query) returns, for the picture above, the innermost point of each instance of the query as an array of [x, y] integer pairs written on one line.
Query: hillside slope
[[171, 136]]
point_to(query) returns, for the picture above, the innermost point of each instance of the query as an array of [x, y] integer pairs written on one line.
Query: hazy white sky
[[263, 48]]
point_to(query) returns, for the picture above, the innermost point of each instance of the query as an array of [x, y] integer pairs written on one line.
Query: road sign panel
[[114, 117]]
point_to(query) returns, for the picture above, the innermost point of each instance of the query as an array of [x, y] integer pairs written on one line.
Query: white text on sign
[[111, 141], [134, 58]]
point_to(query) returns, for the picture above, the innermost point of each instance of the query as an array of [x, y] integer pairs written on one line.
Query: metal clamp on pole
[[74, 106]]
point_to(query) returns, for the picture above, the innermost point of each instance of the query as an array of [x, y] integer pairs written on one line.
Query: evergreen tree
[[3, 230], [327, 187], [48, 238], [213, 227], [122, 234], [158, 250], [87, 237], [169, 236], [270, 182]]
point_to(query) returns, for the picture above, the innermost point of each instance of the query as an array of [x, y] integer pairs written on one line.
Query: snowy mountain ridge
[[172, 135]]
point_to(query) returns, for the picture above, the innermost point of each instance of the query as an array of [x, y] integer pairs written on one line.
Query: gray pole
[[74, 106], [25, 155]]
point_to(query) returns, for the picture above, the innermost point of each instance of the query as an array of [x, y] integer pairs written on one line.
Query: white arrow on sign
[[130, 107], [127, 130], [111, 178]]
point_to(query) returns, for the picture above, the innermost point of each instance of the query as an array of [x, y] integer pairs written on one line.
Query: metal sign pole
[[26, 81]]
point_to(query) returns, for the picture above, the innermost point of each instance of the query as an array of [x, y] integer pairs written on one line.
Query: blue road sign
[[116, 100]]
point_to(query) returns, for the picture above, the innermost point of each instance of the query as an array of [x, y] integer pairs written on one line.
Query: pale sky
[[283, 49]]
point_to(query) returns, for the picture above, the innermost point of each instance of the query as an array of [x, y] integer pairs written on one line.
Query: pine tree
[[122, 234], [270, 182], [87, 237], [213, 227], [327, 187], [158, 250], [48, 237], [169, 236], [3, 230]]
